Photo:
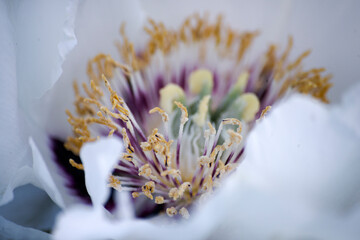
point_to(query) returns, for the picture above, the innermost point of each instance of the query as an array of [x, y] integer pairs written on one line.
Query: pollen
[[76, 165], [159, 200], [171, 211], [184, 213]]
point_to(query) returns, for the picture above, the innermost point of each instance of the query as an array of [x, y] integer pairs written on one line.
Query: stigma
[[183, 107]]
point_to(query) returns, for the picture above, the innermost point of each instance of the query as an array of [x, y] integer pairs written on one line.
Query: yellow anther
[[184, 112], [208, 183], [176, 193], [204, 160], [148, 189], [76, 165], [169, 94], [183, 187], [252, 106], [242, 81], [126, 140], [135, 194], [163, 114], [184, 213], [172, 172], [265, 111], [221, 169], [217, 149], [171, 211], [146, 171], [212, 129], [234, 136], [233, 121], [114, 183], [145, 146], [201, 114], [159, 200], [201, 79]]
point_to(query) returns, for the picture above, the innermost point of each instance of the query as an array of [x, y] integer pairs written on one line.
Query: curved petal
[[42, 31], [346, 112], [23, 39], [41, 214], [99, 159], [44, 176], [300, 178], [92, 223], [14, 152], [9, 230]]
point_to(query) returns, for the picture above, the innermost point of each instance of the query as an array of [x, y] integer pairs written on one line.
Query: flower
[[286, 195], [41, 148], [196, 82]]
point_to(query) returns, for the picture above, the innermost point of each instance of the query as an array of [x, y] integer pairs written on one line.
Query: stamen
[[159, 200], [114, 183], [76, 165], [265, 111], [148, 189], [184, 213], [171, 211], [135, 194]]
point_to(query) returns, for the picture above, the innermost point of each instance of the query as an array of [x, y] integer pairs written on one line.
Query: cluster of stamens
[[182, 134]]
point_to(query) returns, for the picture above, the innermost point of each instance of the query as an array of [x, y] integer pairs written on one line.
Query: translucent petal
[[300, 178], [43, 33], [99, 159], [41, 214], [14, 152], [9, 230]]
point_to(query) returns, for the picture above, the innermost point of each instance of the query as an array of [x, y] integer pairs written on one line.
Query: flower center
[[182, 106]]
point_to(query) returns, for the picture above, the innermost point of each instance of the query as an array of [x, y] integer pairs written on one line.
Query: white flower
[[288, 189], [49, 180]]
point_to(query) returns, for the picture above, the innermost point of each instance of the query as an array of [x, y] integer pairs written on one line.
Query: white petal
[[9, 230], [14, 152], [39, 211], [347, 112], [92, 223], [99, 159], [302, 143], [43, 32], [83, 222], [45, 177], [300, 178]]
